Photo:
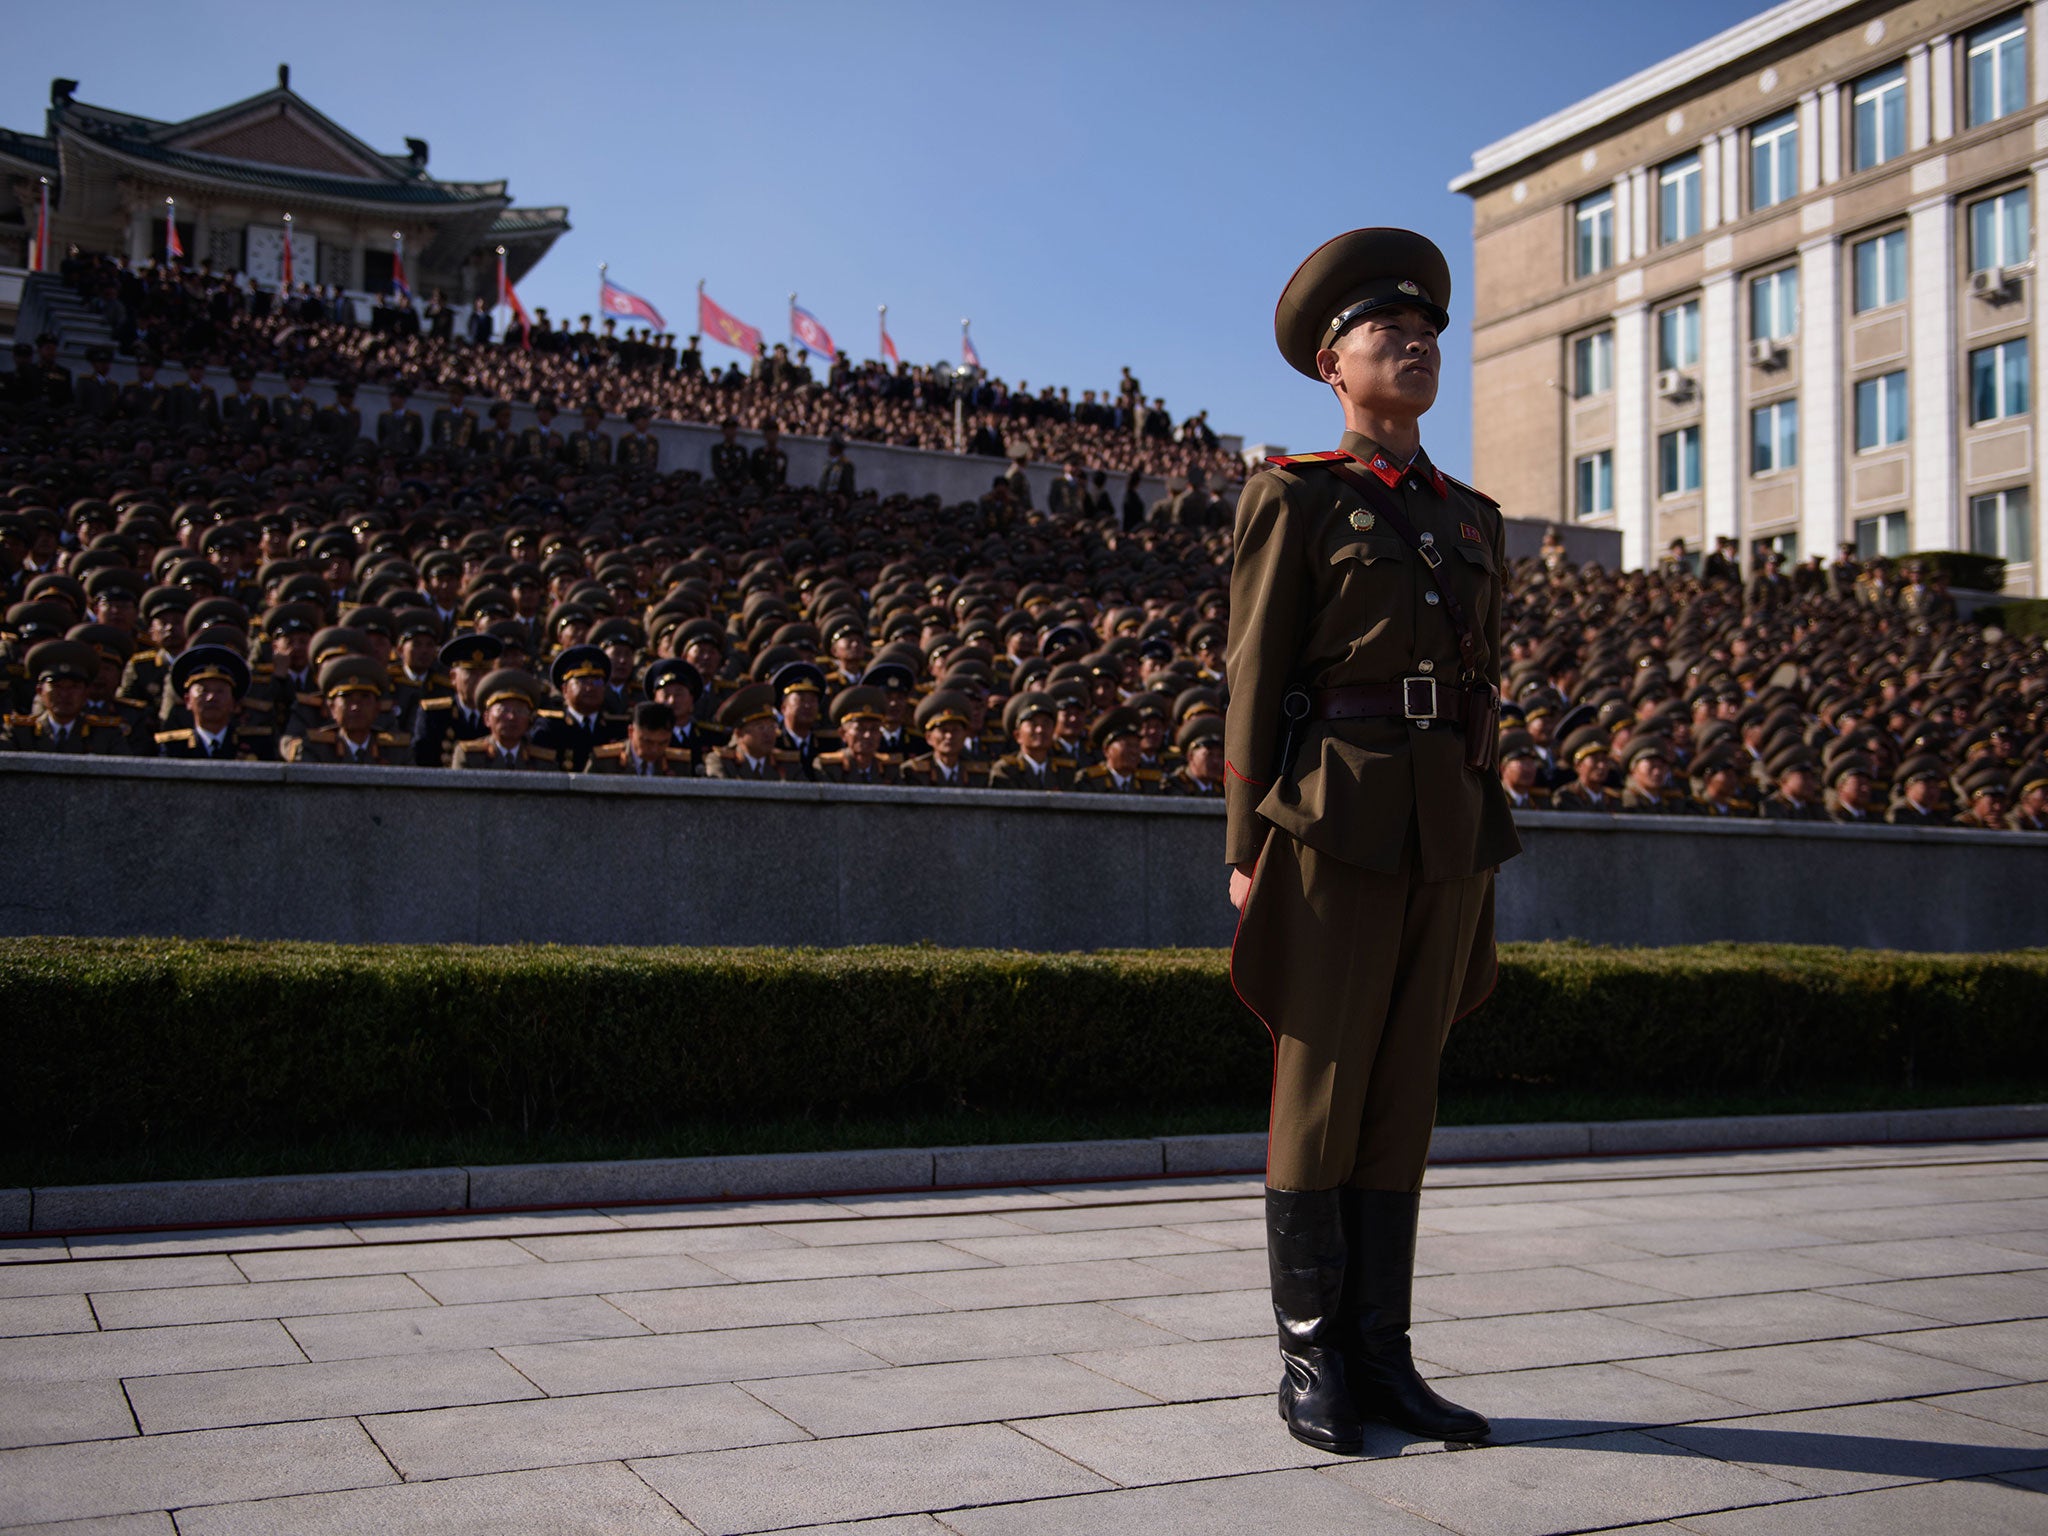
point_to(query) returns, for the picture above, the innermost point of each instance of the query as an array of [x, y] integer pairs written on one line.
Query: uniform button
[[1431, 598], [1425, 666]]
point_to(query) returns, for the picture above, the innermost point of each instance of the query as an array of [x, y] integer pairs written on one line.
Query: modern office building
[[1779, 287]]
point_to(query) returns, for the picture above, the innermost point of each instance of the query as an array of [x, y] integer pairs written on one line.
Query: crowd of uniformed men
[[246, 575]]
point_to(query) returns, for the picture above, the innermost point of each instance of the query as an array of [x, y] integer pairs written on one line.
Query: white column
[[2037, 30], [1710, 184], [1830, 134], [1731, 174], [1809, 142], [1721, 425], [1930, 259], [1941, 69], [141, 225], [1645, 194], [1820, 397], [1633, 502], [2040, 484], [1917, 118], [1623, 222]]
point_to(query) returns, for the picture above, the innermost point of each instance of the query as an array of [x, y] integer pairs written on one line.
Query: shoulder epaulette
[[1149, 775], [442, 703], [1099, 771], [22, 722], [540, 754], [1473, 490], [784, 755], [252, 730], [168, 736], [1065, 762], [107, 720], [1292, 460], [310, 698], [552, 714], [611, 749], [325, 735], [619, 719], [394, 739], [836, 759]]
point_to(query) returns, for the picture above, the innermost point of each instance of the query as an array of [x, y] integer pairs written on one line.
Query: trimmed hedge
[[1964, 568], [112, 1041], [2024, 616]]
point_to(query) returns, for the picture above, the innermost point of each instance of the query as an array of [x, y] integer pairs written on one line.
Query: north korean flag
[[968, 355], [805, 331], [622, 305]]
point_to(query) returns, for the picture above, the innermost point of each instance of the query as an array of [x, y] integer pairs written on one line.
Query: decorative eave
[[1639, 91]]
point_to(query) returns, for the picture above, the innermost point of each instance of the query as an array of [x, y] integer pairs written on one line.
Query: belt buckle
[[1409, 708]]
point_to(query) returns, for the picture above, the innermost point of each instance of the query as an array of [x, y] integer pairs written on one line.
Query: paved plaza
[[1845, 1340]]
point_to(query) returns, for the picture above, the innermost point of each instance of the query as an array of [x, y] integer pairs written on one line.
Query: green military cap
[[164, 600], [33, 621], [63, 660], [1197, 728], [1514, 744], [1352, 276], [1033, 701], [1848, 763], [204, 661], [1718, 760], [370, 619], [622, 630], [505, 683], [1115, 723], [704, 631], [2030, 777], [1649, 746], [115, 578], [335, 640], [353, 674], [291, 618], [941, 705], [754, 702], [112, 644], [858, 703], [1586, 741]]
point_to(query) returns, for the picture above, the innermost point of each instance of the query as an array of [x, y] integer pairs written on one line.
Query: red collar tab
[[1438, 483], [1470, 534], [1387, 471]]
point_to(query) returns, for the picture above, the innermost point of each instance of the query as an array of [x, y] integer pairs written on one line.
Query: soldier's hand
[[1240, 887]]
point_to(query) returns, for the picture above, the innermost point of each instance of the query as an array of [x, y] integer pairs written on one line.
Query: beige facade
[[1780, 287]]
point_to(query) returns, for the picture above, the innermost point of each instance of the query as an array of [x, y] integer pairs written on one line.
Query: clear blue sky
[[1094, 184]]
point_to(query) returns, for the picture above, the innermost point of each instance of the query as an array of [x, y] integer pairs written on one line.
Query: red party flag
[[287, 281], [720, 326], [174, 248], [510, 299], [888, 346]]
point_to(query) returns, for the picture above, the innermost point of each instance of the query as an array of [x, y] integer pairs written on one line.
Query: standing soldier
[[340, 426], [541, 441], [1364, 822], [768, 464], [294, 413], [193, 403], [455, 426], [591, 448], [837, 478], [399, 428], [146, 401], [501, 445], [99, 397], [729, 466], [639, 448], [244, 414]]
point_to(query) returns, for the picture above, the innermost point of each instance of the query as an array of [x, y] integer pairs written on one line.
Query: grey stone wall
[[214, 850]]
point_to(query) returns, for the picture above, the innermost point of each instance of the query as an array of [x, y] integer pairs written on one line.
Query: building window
[[1593, 364], [1884, 535], [1784, 545], [1678, 336], [1880, 270], [1878, 104], [1997, 60], [1594, 493], [1998, 381], [1774, 437], [1678, 461], [2000, 524], [1774, 306], [2001, 230], [1774, 161], [1678, 199], [1881, 411], [1593, 219]]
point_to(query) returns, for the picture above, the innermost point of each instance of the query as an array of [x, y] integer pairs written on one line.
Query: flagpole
[[43, 226], [289, 271], [170, 227], [882, 324]]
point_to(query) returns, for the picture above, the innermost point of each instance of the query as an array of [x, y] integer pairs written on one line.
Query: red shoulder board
[[1474, 490], [1291, 460]]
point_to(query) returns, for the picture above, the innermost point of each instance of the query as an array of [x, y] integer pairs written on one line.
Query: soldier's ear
[[1330, 367]]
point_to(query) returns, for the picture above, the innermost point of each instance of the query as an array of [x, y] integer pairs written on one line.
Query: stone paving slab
[[1845, 1339]]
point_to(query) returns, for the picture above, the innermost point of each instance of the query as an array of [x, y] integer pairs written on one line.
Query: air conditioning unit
[[1765, 352], [1991, 284], [1673, 385]]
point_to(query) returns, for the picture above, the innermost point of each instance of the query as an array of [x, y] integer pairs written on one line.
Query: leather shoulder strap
[[1389, 510]]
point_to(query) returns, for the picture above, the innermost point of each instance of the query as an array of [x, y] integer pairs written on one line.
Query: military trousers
[[1358, 976]]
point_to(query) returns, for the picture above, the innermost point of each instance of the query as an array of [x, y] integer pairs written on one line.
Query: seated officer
[[1592, 765], [1649, 790], [508, 698], [899, 689], [1797, 777], [62, 671], [799, 695], [943, 719], [1200, 743], [674, 682], [1031, 718], [1118, 739], [2030, 799], [443, 720], [1986, 789], [646, 752], [415, 675], [573, 732], [750, 752], [213, 680], [1921, 793], [1854, 796], [1718, 780], [354, 689], [858, 713], [1521, 772]]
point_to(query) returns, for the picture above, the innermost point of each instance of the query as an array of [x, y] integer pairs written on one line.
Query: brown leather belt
[[1421, 699]]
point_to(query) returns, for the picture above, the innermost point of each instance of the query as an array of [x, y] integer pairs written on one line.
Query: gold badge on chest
[[1362, 521]]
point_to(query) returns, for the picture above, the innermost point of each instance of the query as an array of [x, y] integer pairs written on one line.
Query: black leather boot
[[1305, 1256], [1379, 1232]]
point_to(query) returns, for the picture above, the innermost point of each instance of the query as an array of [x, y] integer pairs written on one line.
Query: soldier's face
[[419, 653], [507, 721], [466, 675], [167, 631], [584, 694], [1205, 760], [946, 739], [1122, 754], [444, 586], [212, 703], [650, 746], [799, 712], [1386, 363], [63, 698], [1034, 734], [862, 737], [1519, 774], [1650, 773], [354, 712], [677, 697], [117, 609], [1852, 789]]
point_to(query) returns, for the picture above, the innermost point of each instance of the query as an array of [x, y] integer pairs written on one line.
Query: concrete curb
[[330, 1197]]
